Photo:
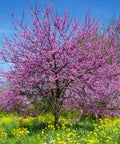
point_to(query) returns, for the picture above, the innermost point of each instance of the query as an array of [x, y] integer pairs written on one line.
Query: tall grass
[[41, 130]]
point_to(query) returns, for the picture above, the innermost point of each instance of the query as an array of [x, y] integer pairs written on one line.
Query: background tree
[[60, 62], [110, 23]]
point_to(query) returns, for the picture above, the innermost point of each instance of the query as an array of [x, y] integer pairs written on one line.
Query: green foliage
[[69, 114]]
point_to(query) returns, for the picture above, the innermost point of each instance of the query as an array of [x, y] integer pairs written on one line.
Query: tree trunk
[[56, 116], [56, 119]]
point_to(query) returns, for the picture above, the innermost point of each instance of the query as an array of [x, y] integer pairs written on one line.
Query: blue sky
[[104, 8]]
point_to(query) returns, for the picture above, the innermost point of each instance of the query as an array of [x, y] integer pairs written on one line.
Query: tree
[[54, 56], [111, 24]]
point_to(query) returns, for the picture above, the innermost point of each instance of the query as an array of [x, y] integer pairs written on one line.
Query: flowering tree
[[60, 62]]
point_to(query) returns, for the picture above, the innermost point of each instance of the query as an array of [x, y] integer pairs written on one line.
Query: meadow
[[59, 62], [41, 130]]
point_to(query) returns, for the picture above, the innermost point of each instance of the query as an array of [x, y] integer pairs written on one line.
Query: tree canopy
[[61, 62]]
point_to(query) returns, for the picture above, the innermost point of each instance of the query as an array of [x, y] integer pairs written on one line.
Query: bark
[[56, 116]]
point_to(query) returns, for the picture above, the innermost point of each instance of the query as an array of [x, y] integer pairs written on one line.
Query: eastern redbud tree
[[61, 62]]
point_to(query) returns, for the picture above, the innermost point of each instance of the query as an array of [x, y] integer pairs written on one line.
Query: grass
[[41, 130]]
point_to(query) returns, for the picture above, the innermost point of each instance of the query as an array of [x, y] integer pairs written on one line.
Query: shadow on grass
[[81, 127], [34, 126]]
